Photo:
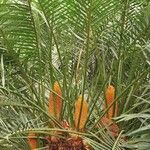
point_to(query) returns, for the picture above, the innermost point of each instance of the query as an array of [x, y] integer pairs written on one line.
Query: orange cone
[[84, 113], [32, 141], [55, 101], [110, 96]]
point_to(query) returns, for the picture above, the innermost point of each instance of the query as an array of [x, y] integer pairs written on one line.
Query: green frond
[[17, 30]]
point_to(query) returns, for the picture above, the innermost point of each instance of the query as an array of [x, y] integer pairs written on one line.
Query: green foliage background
[[84, 44]]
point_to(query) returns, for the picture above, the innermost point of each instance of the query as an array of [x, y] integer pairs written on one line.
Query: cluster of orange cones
[[73, 142]]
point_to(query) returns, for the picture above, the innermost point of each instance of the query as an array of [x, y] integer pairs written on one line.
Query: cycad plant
[[75, 74]]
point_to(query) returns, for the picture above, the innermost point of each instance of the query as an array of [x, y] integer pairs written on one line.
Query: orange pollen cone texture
[[107, 119], [55, 101], [80, 120], [110, 96], [32, 141]]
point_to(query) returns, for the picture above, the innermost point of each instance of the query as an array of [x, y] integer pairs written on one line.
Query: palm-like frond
[[17, 30]]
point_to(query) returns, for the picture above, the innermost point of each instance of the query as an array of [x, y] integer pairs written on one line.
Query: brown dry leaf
[[112, 126]]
